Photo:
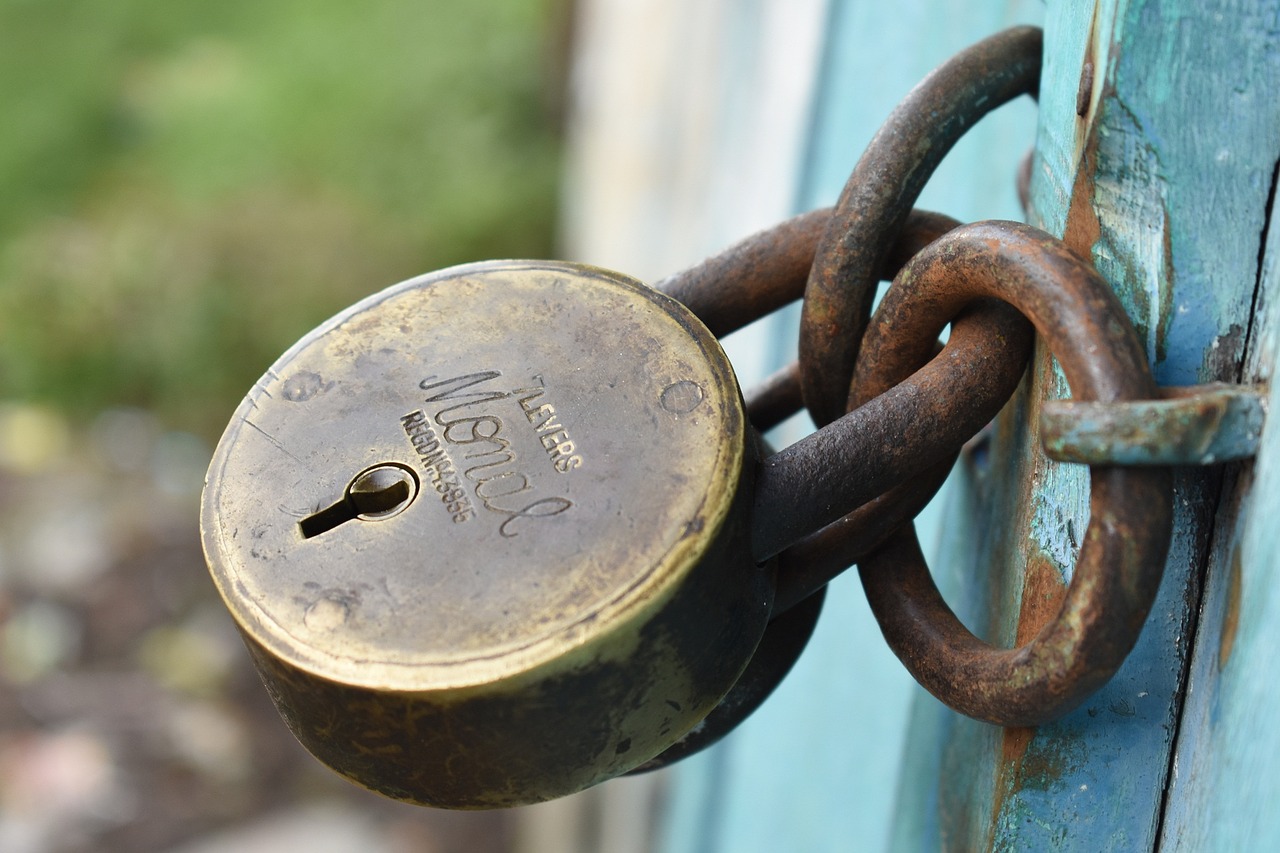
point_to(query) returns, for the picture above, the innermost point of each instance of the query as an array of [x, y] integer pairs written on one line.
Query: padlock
[[488, 534], [485, 533], [504, 531]]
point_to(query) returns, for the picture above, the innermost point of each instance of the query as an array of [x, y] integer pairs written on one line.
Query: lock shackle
[[878, 196], [769, 270], [1121, 561]]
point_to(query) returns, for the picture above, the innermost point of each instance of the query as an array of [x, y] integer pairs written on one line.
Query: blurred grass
[[186, 188]]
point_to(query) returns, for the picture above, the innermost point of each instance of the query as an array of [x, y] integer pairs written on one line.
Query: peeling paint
[[1043, 591]]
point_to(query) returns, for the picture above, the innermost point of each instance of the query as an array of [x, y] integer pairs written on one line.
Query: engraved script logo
[[462, 425]]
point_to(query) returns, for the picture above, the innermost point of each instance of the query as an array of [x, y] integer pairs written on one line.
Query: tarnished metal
[[1122, 557], [879, 194], [907, 429], [1199, 425], [779, 649], [542, 578], [770, 269]]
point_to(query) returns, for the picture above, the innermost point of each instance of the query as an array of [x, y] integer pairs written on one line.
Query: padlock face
[[474, 529]]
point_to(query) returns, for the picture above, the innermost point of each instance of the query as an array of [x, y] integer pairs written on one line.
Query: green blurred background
[[186, 188]]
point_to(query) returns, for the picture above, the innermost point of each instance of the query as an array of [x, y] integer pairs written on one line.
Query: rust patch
[[1083, 229], [1231, 622], [1013, 745], [1027, 765], [1043, 592], [1013, 748], [1043, 768]]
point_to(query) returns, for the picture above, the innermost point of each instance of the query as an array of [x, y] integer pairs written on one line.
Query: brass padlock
[[486, 535], [503, 531]]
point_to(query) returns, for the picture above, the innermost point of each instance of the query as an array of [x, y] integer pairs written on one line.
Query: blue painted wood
[[1163, 180], [1169, 206], [1225, 792]]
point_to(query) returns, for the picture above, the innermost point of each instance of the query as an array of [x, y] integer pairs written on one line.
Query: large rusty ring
[[1122, 557]]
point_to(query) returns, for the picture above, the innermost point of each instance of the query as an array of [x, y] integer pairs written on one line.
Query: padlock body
[[555, 731], [567, 587]]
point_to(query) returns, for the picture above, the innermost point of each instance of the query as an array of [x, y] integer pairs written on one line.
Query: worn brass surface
[[563, 584]]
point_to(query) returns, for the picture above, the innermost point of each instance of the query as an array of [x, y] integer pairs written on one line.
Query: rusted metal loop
[[779, 648], [907, 429], [881, 190], [809, 565], [775, 399], [1121, 561], [770, 269]]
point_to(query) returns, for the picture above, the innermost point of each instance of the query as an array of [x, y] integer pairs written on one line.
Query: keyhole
[[373, 495]]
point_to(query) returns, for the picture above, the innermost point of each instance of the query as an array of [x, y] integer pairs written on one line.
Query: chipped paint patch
[[1043, 591]]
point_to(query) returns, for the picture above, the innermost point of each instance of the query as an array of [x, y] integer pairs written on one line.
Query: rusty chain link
[[881, 191], [1122, 557]]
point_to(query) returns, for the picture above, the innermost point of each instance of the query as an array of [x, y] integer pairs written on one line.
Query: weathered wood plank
[[1169, 205], [1224, 792]]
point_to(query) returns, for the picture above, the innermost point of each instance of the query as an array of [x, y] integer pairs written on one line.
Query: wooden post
[[1158, 144]]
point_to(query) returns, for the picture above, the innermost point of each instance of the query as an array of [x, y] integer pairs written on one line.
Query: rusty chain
[[883, 385]]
